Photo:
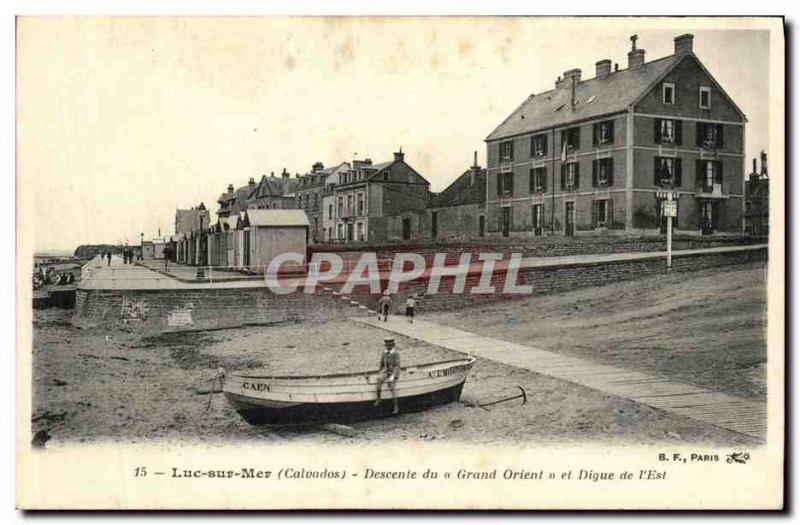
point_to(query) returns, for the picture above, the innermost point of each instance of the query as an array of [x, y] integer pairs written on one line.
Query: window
[[505, 183], [507, 151], [538, 180], [350, 204], [668, 131], [709, 135], [340, 231], [709, 173], [570, 174], [539, 146], [572, 138], [668, 93], [340, 208], [667, 171], [361, 204], [705, 98], [602, 172], [603, 133], [330, 211], [602, 215], [360, 231]]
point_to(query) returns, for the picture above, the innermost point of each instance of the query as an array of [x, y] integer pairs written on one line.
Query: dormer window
[[705, 98], [668, 93]]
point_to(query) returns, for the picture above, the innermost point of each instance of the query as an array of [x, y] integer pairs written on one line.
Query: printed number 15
[[140, 472]]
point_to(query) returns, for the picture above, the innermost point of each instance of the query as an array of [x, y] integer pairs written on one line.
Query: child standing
[[411, 304]]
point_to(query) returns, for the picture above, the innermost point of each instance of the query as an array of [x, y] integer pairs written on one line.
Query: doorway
[[537, 219], [406, 229], [505, 220], [569, 219]]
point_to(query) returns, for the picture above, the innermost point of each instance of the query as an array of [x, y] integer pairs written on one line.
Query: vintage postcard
[[400, 263]]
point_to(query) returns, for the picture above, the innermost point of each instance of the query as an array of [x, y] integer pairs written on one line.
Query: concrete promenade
[[726, 411], [152, 275]]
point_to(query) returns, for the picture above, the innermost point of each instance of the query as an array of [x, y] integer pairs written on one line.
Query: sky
[[120, 121]]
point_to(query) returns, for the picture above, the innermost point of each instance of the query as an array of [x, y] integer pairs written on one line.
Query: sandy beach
[[98, 385]]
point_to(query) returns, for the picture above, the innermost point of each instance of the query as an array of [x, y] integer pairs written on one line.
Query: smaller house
[[267, 234]]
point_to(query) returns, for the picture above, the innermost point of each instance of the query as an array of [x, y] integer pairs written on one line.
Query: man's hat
[[388, 340]]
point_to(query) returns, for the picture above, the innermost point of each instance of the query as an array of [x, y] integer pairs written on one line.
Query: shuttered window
[[603, 133], [538, 180], [602, 172]]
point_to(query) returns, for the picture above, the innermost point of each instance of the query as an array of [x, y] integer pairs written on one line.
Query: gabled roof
[[468, 188], [595, 97], [275, 218], [272, 187], [380, 167]]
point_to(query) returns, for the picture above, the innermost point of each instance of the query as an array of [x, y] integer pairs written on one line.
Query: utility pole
[[669, 210]]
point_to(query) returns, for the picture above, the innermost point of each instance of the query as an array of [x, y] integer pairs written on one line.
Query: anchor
[[522, 395]]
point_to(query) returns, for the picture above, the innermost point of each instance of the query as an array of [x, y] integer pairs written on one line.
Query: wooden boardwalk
[[723, 410]]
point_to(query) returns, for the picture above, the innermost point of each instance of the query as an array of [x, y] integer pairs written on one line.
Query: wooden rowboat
[[263, 399]]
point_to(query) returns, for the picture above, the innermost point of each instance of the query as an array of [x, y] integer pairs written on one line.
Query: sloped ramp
[[722, 410]]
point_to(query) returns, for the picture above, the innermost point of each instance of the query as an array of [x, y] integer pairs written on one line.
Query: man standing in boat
[[389, 371]]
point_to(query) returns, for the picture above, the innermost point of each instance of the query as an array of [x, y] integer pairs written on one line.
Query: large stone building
[[756, 200], [591, 156], [376, 202], [312, 188]]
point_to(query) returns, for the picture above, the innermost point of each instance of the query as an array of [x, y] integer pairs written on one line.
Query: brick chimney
[[635, 56], [285, 174], [251, 182], [399, 155], [566, 80], [602, 68], [683, 44], [230, 188]]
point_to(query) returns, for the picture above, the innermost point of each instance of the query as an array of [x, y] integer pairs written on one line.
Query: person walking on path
[[108, 257], [389, 371], [384, 304], [411, 304]]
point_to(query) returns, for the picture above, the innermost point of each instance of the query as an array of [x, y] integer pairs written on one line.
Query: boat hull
[[265, 399], [259, 414]]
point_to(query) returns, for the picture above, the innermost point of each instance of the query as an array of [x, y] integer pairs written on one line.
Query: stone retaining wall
[[202, 309]]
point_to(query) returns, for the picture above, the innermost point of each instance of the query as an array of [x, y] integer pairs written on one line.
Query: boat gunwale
[[468, 361]]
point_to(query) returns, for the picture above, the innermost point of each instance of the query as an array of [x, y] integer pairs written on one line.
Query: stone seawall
[[203, 309], [213, 308], [558, 278]]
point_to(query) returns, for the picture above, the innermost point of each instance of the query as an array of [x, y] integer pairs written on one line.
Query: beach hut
[[269, 233]]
